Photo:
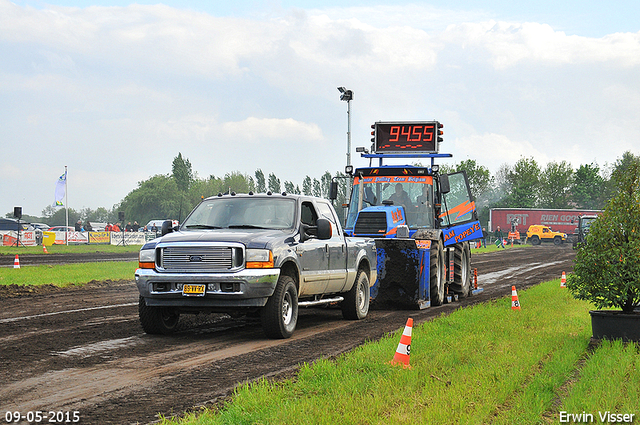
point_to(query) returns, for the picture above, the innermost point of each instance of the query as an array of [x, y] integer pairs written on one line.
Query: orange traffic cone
[[16, 262], [404, 347], [515, 304], [563, 280], [44, 249]]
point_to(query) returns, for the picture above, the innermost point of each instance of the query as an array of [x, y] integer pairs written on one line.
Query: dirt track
[[82, 349]]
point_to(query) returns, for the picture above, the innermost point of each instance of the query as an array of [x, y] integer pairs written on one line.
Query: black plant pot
[[615, 324]]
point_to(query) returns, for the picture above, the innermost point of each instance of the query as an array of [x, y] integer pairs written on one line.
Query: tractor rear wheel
[[462, 269], [436, 278]]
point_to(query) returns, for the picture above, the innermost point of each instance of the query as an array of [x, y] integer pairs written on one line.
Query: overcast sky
[[115, 90]]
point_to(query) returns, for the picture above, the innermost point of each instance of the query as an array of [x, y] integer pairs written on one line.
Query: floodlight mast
[[347, 96]]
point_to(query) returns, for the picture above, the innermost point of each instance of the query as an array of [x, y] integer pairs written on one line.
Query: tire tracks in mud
[[83, 349]]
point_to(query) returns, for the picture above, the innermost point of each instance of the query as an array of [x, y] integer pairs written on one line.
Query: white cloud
[[509, 44], [254, 130], [492, 149]]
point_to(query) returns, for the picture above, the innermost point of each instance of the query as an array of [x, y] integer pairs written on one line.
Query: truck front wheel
[[535, 240], [157, 320], [280, 314], [356, 302], [557, 240]]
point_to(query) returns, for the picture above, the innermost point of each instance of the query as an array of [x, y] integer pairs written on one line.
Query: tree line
[[555, 186], [524, 184]]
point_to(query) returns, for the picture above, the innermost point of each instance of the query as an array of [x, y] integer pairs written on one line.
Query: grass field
[[68, 274], [485, 364], [66, 249]]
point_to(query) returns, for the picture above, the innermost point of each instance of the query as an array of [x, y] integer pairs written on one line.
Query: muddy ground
[[82, 349]]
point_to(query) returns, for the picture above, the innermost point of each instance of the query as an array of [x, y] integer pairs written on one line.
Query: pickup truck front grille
[[371, 223], [203, 259]]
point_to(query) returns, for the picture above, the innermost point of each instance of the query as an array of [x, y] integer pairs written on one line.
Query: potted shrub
[[607, 266]]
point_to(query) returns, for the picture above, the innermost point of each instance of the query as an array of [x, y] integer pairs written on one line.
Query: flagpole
[[66, 206]]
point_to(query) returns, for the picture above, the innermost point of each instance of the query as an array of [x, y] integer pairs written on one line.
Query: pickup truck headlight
[[147, 256], [259, 259]]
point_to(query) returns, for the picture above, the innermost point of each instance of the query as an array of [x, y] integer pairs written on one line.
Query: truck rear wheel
[[157, 320], [436, 277], [462, 269], [280, 314], [356, 302]]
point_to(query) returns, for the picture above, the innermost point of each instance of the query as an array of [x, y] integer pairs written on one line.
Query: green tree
[[344, 193], [607, 264], [100, 214], [620, 167], [478, 175], [274, 183], [182, 172], [261, 186], [156, 198], [47, 212], [237, 182], [555, 185], [325, 182], [289, 187], [307, 186], [588, 187], [59, 217], [524, 182]]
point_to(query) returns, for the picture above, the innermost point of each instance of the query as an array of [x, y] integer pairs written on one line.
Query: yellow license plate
[[193, 290]]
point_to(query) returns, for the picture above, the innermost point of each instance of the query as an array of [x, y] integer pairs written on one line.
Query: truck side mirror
[[166, 227], [324, 229], [444, 183], [333, 190]]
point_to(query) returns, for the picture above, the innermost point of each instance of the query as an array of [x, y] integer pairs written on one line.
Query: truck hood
[[252, 238]]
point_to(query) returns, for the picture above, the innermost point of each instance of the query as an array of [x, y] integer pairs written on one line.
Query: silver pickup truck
[[242, 254]]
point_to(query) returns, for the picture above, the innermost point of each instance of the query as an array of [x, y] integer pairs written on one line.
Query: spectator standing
[[498, 234], [129, 227], [116, 228], [135, 226], [78, 226], [484, 237], [88, 226]]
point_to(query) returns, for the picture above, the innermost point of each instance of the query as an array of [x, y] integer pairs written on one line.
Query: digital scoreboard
[[403, 137]]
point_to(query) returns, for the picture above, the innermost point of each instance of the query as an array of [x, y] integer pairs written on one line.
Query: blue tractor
[[421, 220]]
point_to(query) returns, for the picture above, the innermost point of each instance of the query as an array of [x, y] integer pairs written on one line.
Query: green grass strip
[[68, 274], [478, 365], [67, 249], [608, 382]]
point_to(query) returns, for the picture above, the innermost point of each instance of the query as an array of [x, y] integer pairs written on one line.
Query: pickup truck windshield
[[242, 213]]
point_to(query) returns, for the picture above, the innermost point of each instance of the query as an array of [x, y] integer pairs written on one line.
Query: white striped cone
[[563, 280], [16, 262], [515, 303], [404, 347]]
